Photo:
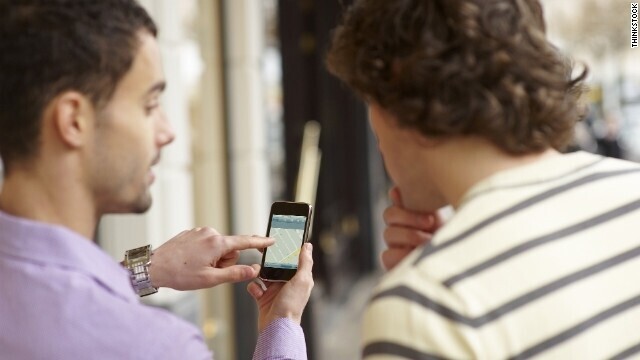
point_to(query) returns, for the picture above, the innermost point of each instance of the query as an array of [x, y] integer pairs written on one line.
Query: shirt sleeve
[[282, 339]]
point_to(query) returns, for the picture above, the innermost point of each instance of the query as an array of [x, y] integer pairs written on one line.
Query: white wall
[[251, 191]]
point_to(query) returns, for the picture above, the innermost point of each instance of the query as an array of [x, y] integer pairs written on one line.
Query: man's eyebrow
[[157, 87]]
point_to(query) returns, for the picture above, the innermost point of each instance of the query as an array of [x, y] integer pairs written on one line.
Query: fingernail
[[309, 247], [260, 283]]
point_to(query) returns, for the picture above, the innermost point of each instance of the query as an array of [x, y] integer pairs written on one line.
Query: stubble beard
[[143, 203]]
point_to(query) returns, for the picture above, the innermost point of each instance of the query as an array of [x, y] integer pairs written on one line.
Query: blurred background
[[259, 119]]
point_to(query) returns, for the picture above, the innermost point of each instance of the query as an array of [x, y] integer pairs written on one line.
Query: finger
[[397, 216], [231, 255], [243, 242], [396, 236], [182, 233], [261, 250], [255, 291], [256, 267], [263, 285], [395, 196], [234, 273], [228, 259], [392, 257], [206, 230], [305, 263], [303, 279]]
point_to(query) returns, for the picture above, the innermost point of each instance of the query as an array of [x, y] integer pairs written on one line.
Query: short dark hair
[[51, 46], [461, 67]]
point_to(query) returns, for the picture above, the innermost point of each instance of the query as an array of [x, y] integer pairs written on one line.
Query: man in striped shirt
[[471, 106]]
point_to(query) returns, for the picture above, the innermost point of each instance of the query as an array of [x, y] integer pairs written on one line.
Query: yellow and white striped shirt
[[540, 261]]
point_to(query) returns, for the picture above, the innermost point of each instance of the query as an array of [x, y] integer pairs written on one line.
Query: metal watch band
[[137, 261]]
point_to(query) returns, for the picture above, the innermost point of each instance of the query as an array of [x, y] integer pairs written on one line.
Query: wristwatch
[[137, 261]]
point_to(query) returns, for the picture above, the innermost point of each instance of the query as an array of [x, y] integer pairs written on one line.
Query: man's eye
[[149, 108]]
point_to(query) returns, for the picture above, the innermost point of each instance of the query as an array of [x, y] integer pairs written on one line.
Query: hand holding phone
[[285, 299], [289, 225]]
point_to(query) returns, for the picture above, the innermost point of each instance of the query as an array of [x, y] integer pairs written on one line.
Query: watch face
[[137, 253]]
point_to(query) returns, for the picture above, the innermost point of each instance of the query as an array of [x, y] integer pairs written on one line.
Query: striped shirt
[[540, 261]]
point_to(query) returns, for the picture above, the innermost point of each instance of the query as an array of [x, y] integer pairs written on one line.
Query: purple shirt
[[62, 297]]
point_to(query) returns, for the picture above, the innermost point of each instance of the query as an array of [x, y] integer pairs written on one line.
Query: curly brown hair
[[461, 67]]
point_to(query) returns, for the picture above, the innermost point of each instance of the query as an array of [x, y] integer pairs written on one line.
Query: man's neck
[[459, 165], [49, 197]]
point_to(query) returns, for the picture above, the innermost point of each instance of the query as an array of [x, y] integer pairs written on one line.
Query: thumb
[[305, 263], [235, 273]]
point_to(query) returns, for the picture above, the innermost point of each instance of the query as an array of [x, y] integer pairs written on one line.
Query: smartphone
[[289, 225]]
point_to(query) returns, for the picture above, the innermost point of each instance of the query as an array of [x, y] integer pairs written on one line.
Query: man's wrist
[[138, 262], [282, 336]]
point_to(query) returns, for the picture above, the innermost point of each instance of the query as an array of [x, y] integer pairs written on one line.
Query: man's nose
[[165, 134]]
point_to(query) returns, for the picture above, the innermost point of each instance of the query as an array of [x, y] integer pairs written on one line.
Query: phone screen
[[288, 230]]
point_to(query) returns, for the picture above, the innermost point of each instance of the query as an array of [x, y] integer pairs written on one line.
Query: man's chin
[[138, 207], [142, 206]]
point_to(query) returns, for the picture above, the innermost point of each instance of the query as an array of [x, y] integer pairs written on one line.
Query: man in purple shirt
[[80, 129]]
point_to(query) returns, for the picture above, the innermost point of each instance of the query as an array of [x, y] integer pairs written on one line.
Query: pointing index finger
[[243, 242]]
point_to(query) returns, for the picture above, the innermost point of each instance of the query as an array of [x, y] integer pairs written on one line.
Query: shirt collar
[[554, 167], [56, 245]]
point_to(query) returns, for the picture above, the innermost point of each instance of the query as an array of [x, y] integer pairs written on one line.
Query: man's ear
[[72, 116]]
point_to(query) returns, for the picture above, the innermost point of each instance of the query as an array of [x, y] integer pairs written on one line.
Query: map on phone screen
[[288, 230]]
